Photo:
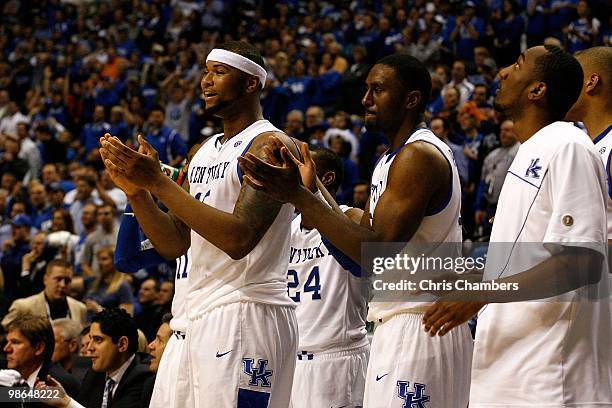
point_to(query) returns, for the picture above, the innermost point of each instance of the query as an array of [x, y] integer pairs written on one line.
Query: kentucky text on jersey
[[298, 255], [214, 172]]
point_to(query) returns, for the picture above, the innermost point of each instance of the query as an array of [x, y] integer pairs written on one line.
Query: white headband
[[239, 62]]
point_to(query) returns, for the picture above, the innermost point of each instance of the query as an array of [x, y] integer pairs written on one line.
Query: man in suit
[[67, 334], [53, 302], [156, 350], [30, 344]]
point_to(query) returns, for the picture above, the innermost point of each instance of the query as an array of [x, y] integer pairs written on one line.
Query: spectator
[[295, 124], [110, 288], [91, 134], [66, 333], [84, 342], [328, 80], [460, 82], [51, 174], [105, 235], [467, 32], [353, 81], [361, 194], [342, 127], [13, 116], [34, 265], [449, 111], [85, 187], [494, 170], [29, 152], [178, 105], [156, 350], [52, 150], [9, 159], [41, 210], [314, 116], [14, 250], [508, 27], [149, 317], [29, 347], [118, 126], [441, 129], [108, 191], [117, 375], [165, 295], [537, 22], [169, 144], [581, 33], [53, 301], [301, 87]]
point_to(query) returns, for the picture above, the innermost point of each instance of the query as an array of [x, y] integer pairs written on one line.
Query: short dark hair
[[116, 323], [166, 318], [413, 75], [90, 180], [158, 108], [563, 76], [157, 283], [36, 329], [245, 49], [445, 124], [326, 160], [601, 58], [57, 263], [487, 90]]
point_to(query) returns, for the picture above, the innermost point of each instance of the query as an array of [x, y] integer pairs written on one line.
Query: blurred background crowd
[[73, 70]]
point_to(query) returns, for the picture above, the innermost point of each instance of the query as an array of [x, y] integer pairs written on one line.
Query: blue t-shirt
[[465, 43], [91, 134], [301, 90], [168, 143]]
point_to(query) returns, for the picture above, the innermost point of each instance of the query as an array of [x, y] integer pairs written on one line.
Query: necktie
[[108, 393]]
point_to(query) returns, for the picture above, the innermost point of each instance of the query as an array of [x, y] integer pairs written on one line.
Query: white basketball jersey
[[553, 352], [179, 320], [331, 302], [214, 277], [439, 226], [603, 143]]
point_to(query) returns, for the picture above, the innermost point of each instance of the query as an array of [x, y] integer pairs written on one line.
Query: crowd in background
[[71, 71]]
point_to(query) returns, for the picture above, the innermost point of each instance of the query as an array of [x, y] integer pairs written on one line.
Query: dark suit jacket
[[147, 390], [68, 381], [128, 393]]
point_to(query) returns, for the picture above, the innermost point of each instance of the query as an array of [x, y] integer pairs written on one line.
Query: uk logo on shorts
[[259, 375], [415, 399]]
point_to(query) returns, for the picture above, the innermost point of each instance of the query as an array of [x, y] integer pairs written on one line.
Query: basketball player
[[548, 236], [594, 108], [242, 335], [133, 254], [331, 307], [406, 367]]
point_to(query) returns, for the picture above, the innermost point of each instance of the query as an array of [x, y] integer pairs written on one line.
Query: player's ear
[[413, 98], [328, 178], [253, 84], [537, 91], [591, 82]]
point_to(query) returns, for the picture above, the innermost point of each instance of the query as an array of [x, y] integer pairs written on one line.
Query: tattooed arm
[[234, 233]]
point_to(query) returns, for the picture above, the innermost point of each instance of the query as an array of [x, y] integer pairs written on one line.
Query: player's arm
[[170, 236], [416, 176], [235, 233]]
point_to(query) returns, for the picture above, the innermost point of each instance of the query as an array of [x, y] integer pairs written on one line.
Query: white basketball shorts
[[167, 373], [334, 378], [408, 368], [239, 355]]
